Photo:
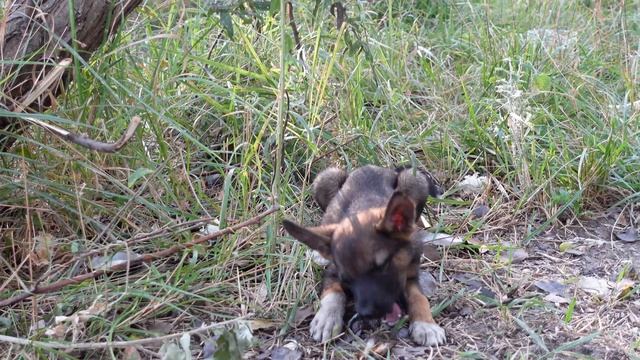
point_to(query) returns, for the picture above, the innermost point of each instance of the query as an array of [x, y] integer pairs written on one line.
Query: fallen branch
[[146, 258], [88, 142], [113, 344]]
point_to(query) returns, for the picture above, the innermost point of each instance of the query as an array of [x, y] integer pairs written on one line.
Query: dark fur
[[367, 231]]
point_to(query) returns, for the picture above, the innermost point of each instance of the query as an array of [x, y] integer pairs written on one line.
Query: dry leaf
[[260, 324], [131, 353], [431, 252], [317, 258], [556, 299], [303, 314], [44, 248], [290, 351], [107, 262], [596, 286], [514, 256], [623, 288], [440, 239], [473, 184], [427, 283], [551, 286]]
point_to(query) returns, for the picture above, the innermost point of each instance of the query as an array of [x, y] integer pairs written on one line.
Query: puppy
[[366, 233]]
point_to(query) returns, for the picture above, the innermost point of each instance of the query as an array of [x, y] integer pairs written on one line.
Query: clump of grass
[[540, 96]]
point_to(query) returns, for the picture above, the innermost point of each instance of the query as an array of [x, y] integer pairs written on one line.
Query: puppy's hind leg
[[327, 184]]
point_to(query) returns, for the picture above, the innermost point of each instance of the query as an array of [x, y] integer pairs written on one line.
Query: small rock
[[630, 235], [480, 211], [427, 283], [551, 286]]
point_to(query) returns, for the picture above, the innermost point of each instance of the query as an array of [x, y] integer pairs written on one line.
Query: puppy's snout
[[369, 309], [372, 298]]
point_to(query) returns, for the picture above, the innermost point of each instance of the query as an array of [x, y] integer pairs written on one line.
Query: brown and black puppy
[[366, 233]]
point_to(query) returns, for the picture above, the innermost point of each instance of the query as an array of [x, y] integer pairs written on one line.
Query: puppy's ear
[[317, 238], [400, 214]]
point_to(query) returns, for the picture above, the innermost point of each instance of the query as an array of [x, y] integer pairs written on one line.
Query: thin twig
[[134, 262], [114, 344], [88, 142]]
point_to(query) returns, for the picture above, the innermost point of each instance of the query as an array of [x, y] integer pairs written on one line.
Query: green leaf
[[568, 315], [275, 7], [542, 82], [136, 175], [532, 334], [227, 23]]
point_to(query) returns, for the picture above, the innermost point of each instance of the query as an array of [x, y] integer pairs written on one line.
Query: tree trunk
[[35, 31]]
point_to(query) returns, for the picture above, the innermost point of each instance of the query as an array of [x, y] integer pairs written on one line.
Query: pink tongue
[[394, 315]]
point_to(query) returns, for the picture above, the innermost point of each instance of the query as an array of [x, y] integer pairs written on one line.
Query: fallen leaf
[[260, 324], [431, 252], [623, 288], [473, 184], [551, 286], [317, 258], [474, 284], [261, 294], [185, 344], [44, 248], [382, 349], [596, 286], [630, 235], [440, 239], [427, 283], [209, 229], [172, 351], [408, 352], [131, 353], [107, 262], [571, 248], [290, 351], [303, 314], [514, 256], [556, 299], [58, 332]]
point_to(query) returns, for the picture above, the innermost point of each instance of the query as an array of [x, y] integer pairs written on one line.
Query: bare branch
[[88, 142]]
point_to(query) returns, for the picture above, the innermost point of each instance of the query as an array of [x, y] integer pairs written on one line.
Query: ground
[[492, 308], [528, 113]]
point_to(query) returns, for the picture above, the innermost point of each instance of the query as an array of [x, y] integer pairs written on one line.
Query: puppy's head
[[371, 250]]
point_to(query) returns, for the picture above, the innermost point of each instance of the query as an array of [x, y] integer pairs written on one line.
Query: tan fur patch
[[417, 304]]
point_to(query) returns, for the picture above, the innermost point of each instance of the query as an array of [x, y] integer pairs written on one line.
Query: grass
[[473, 87]]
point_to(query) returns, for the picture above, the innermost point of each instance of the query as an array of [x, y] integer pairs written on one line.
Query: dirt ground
[[569, 293]]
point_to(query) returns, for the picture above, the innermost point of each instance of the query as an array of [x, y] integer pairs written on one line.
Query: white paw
[[427, 334], [328, 320]]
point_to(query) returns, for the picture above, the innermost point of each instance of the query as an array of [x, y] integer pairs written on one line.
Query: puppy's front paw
[[427, 334], [328, 320]]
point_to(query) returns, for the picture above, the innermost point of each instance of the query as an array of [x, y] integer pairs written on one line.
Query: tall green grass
[[461, 87]]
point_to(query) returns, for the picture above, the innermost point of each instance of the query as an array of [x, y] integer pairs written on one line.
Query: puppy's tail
[[419, 184], [327, 184]]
